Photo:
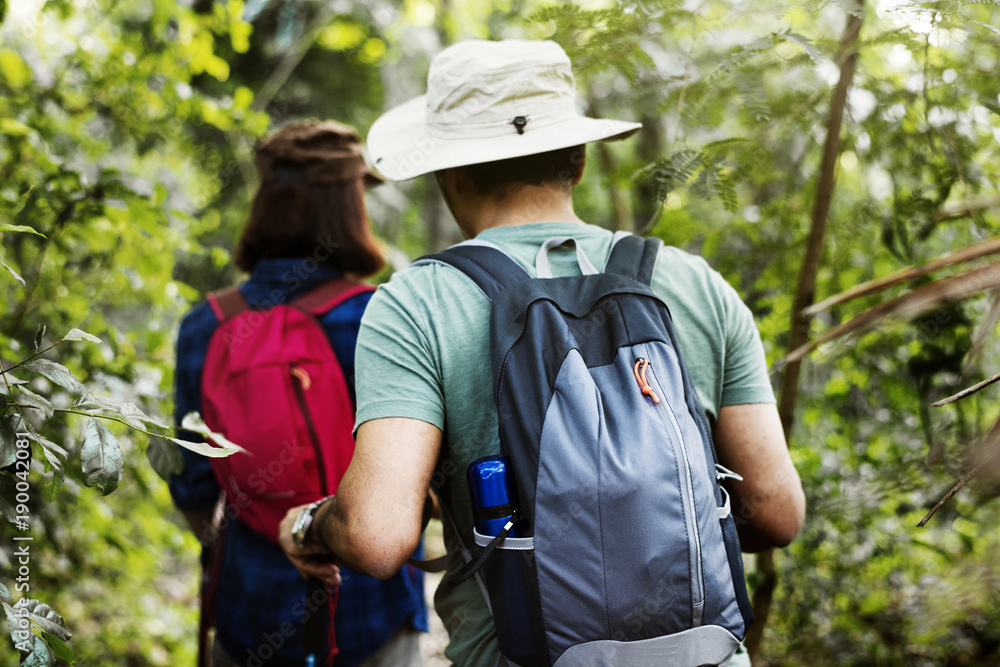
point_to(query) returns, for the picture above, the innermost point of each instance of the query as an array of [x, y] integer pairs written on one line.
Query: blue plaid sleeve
[[195, 487]]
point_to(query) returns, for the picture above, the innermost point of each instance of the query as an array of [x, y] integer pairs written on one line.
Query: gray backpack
[[631, 555]]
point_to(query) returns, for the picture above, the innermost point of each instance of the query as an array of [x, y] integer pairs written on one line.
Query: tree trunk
[[647, 202], [619, 196], [805, 294]]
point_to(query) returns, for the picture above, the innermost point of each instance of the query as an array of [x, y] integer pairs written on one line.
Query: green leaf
[[55, 372], [9, 427], [205, 449], [29, 397], [8, 490], [193, 422], [101, 457], [165, 458], [45, 442], [59, 648], [13, 68], [125, 409], [51, 488], [38, 337], [55, 465], [805, 43], [7, 227], [77, 334], [4, 592], [16, 632], [13, 272], [40, 655], [3, 404], [159, 195], [15, 128], [44, 617]]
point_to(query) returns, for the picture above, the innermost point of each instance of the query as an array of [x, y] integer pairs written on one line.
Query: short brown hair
[[558, 167], [299, 220]]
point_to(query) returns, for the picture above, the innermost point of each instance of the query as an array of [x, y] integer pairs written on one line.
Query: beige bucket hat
[[487, 101]]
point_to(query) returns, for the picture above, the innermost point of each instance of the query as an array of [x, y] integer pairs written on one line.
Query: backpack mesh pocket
[[513, 587]]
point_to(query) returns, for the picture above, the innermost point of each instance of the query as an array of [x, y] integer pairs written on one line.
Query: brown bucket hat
[[314, 152]]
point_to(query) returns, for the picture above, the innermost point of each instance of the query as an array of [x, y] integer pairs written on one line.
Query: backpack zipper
[[301, 382], [687, 493]]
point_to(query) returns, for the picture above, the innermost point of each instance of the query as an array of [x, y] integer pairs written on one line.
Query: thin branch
[[958, 487], [966, 254], [95, 415], [986, 326], [926, 94], [947, 290], [806, 288], [26, 360], [805, 292], [294, 56], [623, 212], [687, 64], [965, 392], [966, 208], [10, 391]]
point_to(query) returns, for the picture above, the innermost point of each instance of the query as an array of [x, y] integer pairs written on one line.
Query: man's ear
[[580, 164], [453, 180]]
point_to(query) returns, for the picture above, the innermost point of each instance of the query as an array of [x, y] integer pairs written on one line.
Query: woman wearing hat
[[308, 231]]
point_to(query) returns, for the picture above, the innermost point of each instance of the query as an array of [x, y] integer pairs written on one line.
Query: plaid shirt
[[260, 590]]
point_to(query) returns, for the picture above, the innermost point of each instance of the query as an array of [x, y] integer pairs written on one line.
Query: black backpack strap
[[485, 264], [634, 257]]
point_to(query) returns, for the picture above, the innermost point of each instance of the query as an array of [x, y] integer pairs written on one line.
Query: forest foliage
[[126, 137]]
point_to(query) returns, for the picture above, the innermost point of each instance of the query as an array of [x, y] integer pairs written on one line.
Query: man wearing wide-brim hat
[[499, 130]]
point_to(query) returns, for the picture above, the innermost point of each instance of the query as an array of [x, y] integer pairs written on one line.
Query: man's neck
[[530, 203]]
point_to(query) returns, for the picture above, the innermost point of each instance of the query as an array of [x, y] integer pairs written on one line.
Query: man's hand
[[373, 524], [312, 560]]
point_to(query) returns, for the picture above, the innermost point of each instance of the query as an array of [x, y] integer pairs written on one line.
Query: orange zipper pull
[[303, 377], [640, 377]]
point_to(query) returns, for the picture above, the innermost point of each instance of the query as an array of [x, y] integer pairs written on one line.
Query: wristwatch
[[303, 522]]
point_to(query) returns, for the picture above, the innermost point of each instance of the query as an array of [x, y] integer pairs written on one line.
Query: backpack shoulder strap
[[227, 303], [484, 263], [329, 295], [634, 257]]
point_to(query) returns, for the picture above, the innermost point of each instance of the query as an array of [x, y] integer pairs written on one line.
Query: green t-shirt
[[423, 353]]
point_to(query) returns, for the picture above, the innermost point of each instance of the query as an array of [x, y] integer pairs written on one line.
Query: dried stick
[[965, 392], [966, 254]]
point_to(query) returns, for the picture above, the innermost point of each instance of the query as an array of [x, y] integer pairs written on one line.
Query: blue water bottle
[[494, 495], [510, 573]]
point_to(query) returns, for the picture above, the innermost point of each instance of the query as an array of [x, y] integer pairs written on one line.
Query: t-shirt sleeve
[[398, 370], [745, 378]]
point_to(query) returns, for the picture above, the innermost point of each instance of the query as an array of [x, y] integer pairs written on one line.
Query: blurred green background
[[126, 138]]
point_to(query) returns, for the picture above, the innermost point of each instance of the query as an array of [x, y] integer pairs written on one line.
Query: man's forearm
[[331, 531]]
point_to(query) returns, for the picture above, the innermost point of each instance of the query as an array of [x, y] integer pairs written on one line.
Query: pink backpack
[[272, 384]]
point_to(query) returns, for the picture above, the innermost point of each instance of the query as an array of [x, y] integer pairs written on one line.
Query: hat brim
[[400, 145]]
